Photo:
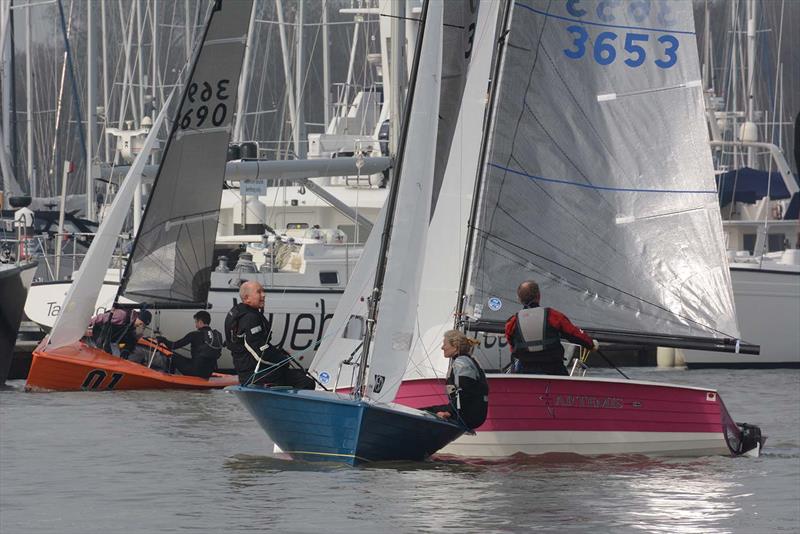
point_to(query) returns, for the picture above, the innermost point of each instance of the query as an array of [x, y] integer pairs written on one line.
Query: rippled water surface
[[177, 461]]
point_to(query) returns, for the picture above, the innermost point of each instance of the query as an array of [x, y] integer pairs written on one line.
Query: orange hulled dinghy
[[169, 265], [82, 367]]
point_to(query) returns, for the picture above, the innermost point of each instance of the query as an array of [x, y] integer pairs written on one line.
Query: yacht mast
[[240, 102], [29, 103], [300, 69], [91, 105]]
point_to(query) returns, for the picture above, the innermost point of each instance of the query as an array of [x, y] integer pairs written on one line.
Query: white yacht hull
[[768, 307]]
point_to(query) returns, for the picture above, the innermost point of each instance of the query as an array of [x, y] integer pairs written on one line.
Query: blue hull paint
[[323, 426]]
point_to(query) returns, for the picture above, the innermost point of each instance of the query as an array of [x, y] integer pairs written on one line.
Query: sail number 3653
[[605, 46], [201, 109]]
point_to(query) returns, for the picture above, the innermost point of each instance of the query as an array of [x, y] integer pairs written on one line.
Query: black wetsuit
[[247, 332], [206, 347]]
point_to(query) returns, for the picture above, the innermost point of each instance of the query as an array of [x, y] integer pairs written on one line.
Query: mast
[[240, 105], [300, 66], [106, 110], [396, 73], [482, 171], [326, 68], [391, 202], [287, 75], [73, 81], [29, 103], [7, 84], [750, 130], [91, 105]]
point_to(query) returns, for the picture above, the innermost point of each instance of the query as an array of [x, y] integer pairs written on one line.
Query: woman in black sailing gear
[[467, 386]]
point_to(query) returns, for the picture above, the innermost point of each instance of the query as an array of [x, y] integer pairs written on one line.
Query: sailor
[[534, 335], [117, 331], [467, 387], [247, 333], [205, 344]]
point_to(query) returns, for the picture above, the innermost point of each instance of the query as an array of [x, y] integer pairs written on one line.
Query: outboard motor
[[750, 438]]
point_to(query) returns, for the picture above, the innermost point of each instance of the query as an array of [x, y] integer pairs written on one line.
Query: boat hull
[[80, 367], [768, 307], [535, 414], [324, 426], [14, 283]]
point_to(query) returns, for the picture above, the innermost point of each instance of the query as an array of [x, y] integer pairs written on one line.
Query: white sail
[[395, 328], [345, 332], [447, 235], [598, 181], [79, 304], [173, 252]]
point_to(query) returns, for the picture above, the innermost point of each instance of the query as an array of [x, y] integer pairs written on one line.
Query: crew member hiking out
[[205, 344], [467, 387], [534, 335]]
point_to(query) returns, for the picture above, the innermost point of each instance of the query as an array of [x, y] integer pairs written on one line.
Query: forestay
[[173, 253], [598, 181]]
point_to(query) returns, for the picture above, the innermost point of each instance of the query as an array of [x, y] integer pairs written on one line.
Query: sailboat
[[595, 180], [172, 254], [362, 424]]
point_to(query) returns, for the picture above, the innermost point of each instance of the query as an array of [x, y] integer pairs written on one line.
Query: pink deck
[[534, 402]]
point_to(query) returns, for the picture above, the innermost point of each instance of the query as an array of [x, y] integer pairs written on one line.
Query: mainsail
[[597, 180], [173, 253]]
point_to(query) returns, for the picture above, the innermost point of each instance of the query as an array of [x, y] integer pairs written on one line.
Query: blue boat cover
[[749, 185]]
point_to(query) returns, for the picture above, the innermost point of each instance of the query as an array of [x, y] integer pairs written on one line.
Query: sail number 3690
[[200, 94]]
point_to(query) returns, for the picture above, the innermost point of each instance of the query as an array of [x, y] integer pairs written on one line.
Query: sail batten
[[598, 181]]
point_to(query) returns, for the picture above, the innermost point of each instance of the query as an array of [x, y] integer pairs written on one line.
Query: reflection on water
[[196, 461]]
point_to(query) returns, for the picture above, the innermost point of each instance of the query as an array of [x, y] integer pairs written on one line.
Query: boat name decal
[[585, 401], [54, 309]]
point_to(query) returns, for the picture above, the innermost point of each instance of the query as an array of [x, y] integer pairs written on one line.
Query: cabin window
[[749, 242], [776, 242], [329, 278]]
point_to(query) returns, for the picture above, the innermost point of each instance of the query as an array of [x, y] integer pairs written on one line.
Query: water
[[178, 461]]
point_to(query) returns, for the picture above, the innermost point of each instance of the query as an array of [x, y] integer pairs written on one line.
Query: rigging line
[[602, 187], [552, 245], [519, 118], [622, 291], [569, 212], [620, 26], [576, 104]]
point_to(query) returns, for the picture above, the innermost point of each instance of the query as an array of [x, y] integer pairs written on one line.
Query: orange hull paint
[[80, 367]]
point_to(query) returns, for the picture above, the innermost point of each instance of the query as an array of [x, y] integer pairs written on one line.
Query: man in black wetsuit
[[247, 332], [205, 344]]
